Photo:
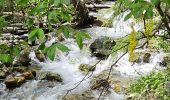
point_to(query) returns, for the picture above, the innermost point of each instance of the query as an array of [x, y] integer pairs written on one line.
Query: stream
[[67, 65]]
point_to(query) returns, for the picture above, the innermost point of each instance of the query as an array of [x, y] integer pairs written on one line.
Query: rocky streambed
[[79, 74]]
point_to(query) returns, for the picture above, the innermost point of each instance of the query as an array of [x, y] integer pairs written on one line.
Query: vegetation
[[153, 86], [40, 19]]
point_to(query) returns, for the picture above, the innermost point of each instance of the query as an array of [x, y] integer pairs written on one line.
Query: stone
[[86, 67], [60, 38], [40, 56], [165, 62], [86, 95], [146, 57], [101, 47], [23, 59], [2, 74], [14, 81], [28, 75], [50, 76], [20, 69], [116, 81]]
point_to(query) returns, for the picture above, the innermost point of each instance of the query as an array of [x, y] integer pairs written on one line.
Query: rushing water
[[66, 64]]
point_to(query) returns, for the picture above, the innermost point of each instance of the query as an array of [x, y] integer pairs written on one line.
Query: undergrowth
[[151, 87]]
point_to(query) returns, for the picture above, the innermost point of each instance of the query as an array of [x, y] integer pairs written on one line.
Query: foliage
[[8, 53], [154, 84], [163, 44], [148, 27], [39, 16], [132, 44]]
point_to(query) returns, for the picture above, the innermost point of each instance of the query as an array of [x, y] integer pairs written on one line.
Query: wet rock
[[28, 75], [97, 23], [166, 61], [86, 67], [138, 57], [20, 69], [40, 56], [86, 95], [146, 57], [116, 81], [60, 38], [34, 69], [50, 76], [12, 82], [101, 83], [2, 74], [101, 47], [27, 72], [23, 59]]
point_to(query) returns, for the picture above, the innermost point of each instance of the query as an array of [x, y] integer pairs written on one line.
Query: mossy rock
[[166, 61], [23, 59], [50, 76], [14, 81], [86, 95], [146, 57], [101, 47], [28, 75], [40, 56], [2, 74], [86, 67]]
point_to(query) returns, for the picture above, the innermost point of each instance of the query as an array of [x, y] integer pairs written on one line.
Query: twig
[[111, 67], [84, 78]]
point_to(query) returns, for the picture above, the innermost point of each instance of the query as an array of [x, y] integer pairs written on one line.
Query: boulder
[[2, 74], [166, 61], [50, 76], [28, 75], [86, 67], [146, 57], [116, 81], [101, 47], [86, 95], [14, 81], [40, 56], [60, 37], [100, 81], [23, 59], [20, 69]]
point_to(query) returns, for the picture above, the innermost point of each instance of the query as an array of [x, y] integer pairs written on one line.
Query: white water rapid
[[66, 64]]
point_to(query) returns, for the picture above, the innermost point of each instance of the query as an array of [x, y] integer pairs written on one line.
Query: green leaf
[[167, 1], [15, 50], [128, 16], [149, 13], [40, 34], [66, 31], [62, 47], [22, 2], [36, 33], [85, 35], [5, 58], [51, 51], [79, 40], [32, 35], [42, 46], [155, 2]]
